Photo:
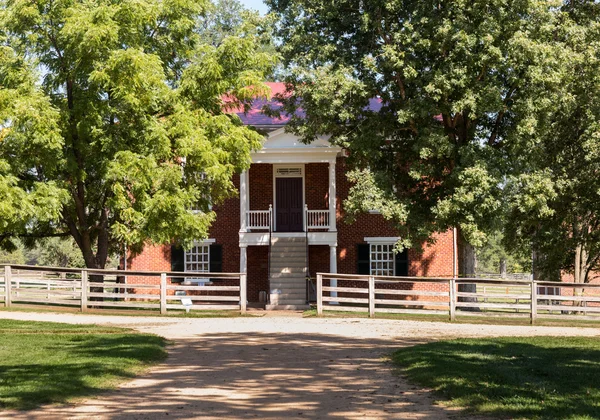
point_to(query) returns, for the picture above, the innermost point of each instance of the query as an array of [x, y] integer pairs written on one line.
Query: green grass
[[523, 378], [43, 362], [133, 312], [485, 320]]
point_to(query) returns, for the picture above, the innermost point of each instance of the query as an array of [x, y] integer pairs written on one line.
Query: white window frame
[[386, 247], [192, 257]]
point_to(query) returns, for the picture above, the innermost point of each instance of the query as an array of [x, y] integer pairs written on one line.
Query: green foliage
[[555, 199], [520, 378], [16, 256], [456, 87], [490, 255], [127, 131], [45, 363]]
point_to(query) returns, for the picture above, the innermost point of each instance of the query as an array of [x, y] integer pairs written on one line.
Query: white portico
[[288, 216]]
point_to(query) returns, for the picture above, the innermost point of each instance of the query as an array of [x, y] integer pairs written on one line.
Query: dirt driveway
[[273, 367]]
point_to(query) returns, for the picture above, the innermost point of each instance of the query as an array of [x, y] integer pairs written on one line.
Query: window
[[382, 259], [197, 259], [376, 257]]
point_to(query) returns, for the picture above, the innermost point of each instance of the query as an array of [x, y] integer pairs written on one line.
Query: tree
[[555, 199], [428, 97], [114, 124], [491, 256]]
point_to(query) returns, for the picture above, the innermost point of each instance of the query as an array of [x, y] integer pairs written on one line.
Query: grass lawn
[[43, 362], [523, 378], [460, 319]]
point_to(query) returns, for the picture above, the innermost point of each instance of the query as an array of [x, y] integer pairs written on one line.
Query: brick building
[[288, 222]]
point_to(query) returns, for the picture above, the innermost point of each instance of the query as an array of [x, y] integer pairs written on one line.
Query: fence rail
[[467, 296], [90, 288]]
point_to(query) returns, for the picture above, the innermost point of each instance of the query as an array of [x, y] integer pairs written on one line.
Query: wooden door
[[288, 204]]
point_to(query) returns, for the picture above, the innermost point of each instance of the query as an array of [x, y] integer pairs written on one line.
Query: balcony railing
[[260, 219], [263, 219], [317, 219]]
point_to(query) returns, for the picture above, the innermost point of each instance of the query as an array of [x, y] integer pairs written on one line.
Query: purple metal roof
[[256, 116]]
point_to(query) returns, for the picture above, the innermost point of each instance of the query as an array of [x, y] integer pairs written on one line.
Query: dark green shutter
[[177, 261], [364, 259], [216, 259], [401, 263]]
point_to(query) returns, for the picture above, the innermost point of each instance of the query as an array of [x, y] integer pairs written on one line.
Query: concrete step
[[288, 254], [299, 307], [296, 239], [283, 271], [292, 300], [283, 264], [285, 274], [288, 289]]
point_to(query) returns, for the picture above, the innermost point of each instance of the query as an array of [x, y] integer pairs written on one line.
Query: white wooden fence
[[86, 288], [467, 296]]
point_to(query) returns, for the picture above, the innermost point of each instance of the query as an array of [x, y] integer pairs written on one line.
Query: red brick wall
[[258, 271], [260, 187], [436, 259], [316, 184]]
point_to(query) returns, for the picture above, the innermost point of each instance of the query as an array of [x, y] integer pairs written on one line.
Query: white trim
[[262, 238], [302, 168], [294, 156], [382, 239], [206, 241]]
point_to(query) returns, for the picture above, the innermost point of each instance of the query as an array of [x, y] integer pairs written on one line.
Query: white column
[[243, 201], [333, 269], [332, 197], [243, 259]]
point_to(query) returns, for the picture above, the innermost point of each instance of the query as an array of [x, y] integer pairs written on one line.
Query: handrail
[[269, 254], [307, 274]]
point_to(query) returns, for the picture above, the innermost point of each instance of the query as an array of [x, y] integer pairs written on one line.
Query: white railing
[[259, 219], [449, 296], [317, 219], [87, 288]]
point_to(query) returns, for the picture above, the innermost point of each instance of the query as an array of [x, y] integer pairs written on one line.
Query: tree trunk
[[580, 271], [467, 263], [503, 268]]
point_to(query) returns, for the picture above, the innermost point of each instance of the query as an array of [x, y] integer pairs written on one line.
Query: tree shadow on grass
[[540, 377], [62, 367]]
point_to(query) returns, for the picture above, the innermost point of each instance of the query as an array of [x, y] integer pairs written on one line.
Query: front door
[[288, 204]]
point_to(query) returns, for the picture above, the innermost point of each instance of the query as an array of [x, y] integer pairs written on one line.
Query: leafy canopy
[[429, 97], [113, 124]]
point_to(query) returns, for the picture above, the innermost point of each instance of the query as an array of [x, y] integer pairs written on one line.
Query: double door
[[288, 205]]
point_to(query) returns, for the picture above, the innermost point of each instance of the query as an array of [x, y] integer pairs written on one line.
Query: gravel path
[[272, 367]]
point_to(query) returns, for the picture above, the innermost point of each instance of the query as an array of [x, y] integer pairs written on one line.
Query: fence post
[[84, 290], [452, 296], [243, 292], [371, 296], [533, 301], [163, 293], [7, 285], [319, 294]]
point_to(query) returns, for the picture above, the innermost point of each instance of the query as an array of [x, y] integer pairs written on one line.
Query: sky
[[256, 5]]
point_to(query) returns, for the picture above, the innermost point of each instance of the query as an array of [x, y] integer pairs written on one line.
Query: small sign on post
[[187, 303]]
